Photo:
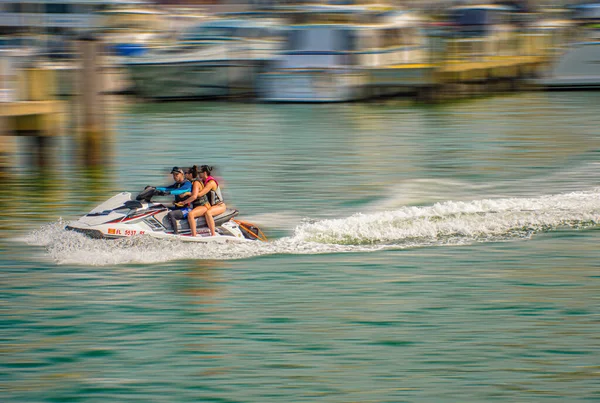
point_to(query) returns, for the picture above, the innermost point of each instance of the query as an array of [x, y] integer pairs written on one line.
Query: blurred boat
[[56, 22], [335, 53], [21, 46], [53, 17], [577, 64], [131, 30], [480, 32], [220, 57]]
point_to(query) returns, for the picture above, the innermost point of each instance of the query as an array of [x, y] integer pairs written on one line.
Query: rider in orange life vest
[[215, 199]]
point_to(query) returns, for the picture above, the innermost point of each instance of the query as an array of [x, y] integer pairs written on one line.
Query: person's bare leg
[[214, 210], [197, 212], [192, 222]]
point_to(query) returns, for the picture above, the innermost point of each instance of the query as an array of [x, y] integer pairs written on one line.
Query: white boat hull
[[206, 72], [193, 79], [577, 67], [328, 85]]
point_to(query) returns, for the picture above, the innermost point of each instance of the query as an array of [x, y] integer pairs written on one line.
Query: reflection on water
[[41, 196], [419, 253]]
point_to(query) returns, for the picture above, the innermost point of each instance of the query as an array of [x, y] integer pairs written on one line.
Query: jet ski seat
[[201, 221]]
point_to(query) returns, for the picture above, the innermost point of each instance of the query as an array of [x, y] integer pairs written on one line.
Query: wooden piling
[[7, 144], [91, 106], [42, 156]]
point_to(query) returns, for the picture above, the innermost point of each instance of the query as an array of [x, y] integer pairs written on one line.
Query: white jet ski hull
[[123, 217]]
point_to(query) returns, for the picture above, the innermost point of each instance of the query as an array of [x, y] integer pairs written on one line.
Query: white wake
[[445, 223]]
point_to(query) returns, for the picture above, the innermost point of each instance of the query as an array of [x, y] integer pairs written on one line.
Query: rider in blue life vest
[[181, 185]]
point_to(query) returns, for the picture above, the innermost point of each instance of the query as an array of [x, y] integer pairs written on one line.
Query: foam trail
[[417, 191], [475, 220], [280, 220], [432, 190], [447, 223]]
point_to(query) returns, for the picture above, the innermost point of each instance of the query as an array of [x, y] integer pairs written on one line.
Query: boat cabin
[[223, 30], [344, 42], [478, 20], [586, 13]]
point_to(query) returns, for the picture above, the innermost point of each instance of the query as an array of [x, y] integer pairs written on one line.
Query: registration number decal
[[127, 232]]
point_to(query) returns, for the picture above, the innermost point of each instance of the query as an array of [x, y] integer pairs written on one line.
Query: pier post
[[42, 156], [7, 84], [8, 146], [91, 105]]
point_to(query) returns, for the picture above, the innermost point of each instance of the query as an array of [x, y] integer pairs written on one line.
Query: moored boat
[[576, 64], [334, 53], [216, 58]]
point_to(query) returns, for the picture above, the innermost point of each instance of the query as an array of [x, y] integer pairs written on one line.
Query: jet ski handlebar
[[147, 193]]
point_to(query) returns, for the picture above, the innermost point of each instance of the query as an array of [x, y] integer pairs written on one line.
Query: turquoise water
[[417, 254]]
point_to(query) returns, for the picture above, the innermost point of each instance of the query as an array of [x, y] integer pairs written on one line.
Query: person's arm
[[174, 190], [166, 188], [209, 186], [186, 187], [194, 195]]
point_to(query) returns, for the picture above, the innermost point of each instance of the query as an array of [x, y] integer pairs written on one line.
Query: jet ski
[[124, 216]]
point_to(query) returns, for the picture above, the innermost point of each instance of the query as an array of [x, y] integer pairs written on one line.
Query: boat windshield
[[120, 20], [319, 39], [213, 30], [226, 30]]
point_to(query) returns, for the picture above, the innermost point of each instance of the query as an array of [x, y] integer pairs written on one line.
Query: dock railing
[[451, 47]]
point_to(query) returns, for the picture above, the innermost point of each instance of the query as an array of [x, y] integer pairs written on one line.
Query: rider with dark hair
[[190, 200], [179, 189], [181, 185], [215, 199]]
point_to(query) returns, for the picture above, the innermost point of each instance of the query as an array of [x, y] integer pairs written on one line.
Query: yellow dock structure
[[28, 109], [439, 78], [459, 66], [493, 68], [25, 117], [28, 106]]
